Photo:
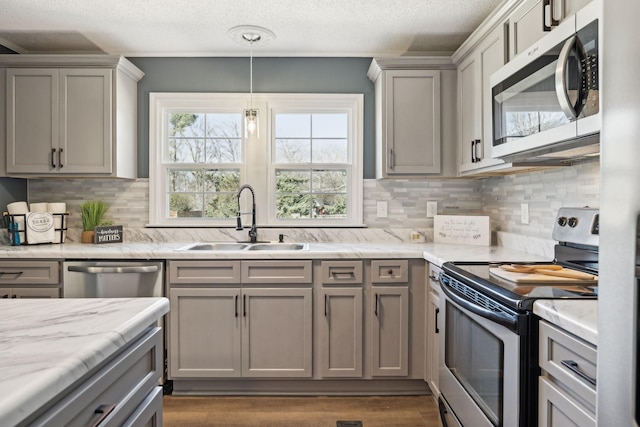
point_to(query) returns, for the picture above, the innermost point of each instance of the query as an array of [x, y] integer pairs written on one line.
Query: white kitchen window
[[305, 165]]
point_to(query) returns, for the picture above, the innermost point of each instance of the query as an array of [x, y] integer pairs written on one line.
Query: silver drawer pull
[[573, 367], [343, 275], [101, 413], [11, 273], [115, 269]]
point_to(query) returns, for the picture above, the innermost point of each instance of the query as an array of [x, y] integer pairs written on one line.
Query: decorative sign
[[467, 230], [108, 234]]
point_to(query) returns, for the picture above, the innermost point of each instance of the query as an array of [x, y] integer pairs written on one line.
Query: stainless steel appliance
[[546, 101], [488, 347], [112, 279]]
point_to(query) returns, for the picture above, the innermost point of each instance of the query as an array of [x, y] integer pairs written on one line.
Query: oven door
[[479, 363]]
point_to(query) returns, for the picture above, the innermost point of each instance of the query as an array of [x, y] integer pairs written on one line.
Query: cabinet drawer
[[204, 272], [276, 272], [341, 272], [121, 386], [557, 409], [390, 271], [558, 346], [29, 272]]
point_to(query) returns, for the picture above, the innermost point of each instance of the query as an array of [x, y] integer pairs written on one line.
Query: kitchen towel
[[40, 227], [58, 208]]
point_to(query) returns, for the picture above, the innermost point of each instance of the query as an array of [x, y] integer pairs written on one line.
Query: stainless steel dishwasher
[[112, 279]]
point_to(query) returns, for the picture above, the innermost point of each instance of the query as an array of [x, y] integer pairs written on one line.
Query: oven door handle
[[510, 322]]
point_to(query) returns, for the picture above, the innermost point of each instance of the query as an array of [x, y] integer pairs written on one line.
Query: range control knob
[[573, 221], [562, 221]]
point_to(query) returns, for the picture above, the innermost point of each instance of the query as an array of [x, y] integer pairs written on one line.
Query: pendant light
[[251, 115], [253, 36]]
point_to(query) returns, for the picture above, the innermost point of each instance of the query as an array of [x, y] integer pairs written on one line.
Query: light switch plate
[[382, 209], [432, 209]]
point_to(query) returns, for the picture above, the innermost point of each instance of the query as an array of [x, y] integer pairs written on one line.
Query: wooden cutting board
[[537, 278]]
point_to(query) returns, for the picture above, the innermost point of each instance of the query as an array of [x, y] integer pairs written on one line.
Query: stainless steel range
[[488, 351]]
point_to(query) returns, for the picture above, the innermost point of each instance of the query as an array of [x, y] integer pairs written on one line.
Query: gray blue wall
[[270, 75]]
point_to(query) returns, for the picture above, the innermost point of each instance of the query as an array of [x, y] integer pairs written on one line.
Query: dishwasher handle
[[113, 269]]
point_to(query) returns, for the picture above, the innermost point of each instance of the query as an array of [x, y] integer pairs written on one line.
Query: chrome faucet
[[253, 232]]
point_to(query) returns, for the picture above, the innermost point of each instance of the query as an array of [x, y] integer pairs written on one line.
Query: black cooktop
[[519, 297]]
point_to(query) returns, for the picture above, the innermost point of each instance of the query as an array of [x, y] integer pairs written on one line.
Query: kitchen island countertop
[[47, 345]]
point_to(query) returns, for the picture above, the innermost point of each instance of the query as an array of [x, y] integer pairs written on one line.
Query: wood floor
[[373, 411]]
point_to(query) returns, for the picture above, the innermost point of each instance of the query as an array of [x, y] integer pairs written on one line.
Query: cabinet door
[[341, 332], [390, 331], [556, 409], [491, 56], [433, 330], [277, 332], [525, 27], [86, 121], [469, 115], [412, 106], [204, 332], [32, 119], [35, 292]]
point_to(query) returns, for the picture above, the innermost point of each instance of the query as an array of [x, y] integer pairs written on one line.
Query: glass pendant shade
[[251, 123]]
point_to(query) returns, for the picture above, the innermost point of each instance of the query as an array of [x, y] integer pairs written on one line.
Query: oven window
[[476, 358]]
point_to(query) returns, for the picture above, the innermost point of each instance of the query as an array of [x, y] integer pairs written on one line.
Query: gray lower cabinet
[[433, 330], [124, 392], [567, 386], [340, 318], [389, 317], [245, 330], [30, 279]]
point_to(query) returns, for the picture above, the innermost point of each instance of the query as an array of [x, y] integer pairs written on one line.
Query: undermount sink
[[231, 246], [278, 247]]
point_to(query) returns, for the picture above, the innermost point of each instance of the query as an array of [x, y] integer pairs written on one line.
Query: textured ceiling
[[199, 27]]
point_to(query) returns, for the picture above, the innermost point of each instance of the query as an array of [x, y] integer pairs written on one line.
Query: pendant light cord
[[251, 75]]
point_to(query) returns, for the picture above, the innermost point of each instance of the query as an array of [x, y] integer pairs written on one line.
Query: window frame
[[257, 167]]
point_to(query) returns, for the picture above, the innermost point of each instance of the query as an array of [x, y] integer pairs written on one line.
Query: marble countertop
[[433, 252], [580, 317], [47, 345]]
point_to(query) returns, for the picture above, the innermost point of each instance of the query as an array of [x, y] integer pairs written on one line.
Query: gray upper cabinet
[[411, 130], [70, 116], [474, 104], [530, 21]]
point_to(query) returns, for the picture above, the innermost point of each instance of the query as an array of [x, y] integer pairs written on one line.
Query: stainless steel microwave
[[546, 101]]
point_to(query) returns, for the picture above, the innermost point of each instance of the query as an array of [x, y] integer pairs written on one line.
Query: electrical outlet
[[432, 209], [382, 209], [524, 213]]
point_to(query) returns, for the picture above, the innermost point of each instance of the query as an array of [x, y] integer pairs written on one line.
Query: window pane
[[288, 181], [329, 206], [224, 125], [186, 124], [222, 181], [220, 205], [330, 151], [224, 150], [293, 206], [330, 125], [329, 181], [185, 205], [186, 150], [293, 126], [184, 181], [293, 151]]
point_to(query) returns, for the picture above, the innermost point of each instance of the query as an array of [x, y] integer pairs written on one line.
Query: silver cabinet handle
[[114, 269], [344, 275], [101, 413]]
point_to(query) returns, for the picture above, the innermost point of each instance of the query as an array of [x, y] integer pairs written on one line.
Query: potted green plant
[[91, 214]]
